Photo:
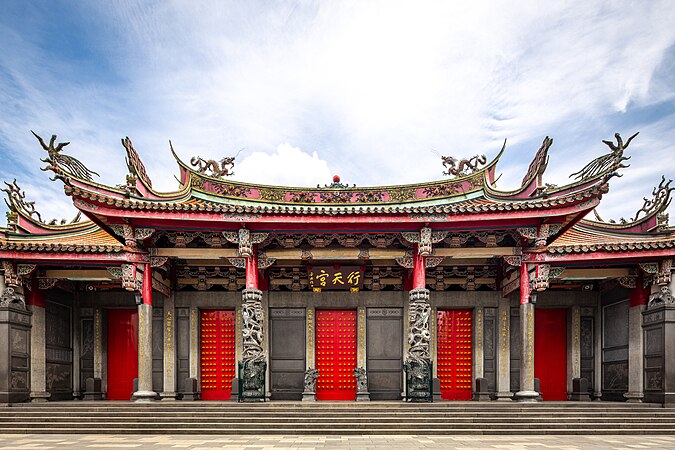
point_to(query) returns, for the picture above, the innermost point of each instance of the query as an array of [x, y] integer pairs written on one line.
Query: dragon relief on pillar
[[361, 380], [418, 333], [311, 375], [253, 365], [252, 326]]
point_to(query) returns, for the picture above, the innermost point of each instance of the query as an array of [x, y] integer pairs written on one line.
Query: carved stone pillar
[[253, 365], [504, 351], [527, 392], [169, 349], [418, 358], [637, 304], [38, 355], [145, 392]]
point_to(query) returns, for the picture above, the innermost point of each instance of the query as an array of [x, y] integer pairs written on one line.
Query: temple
[[437, 291]]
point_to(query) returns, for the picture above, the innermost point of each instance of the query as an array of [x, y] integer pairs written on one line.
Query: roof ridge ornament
[[17, 200], [463, 167], [660, 199], [336, 184], [135, 165], [62, 165], [219, 169], [17, 204], [609, 163]]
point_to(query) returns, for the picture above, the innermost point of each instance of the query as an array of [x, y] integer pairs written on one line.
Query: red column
[[419, 270], [639, 295], [252, 269], [147, 285], [35, 297], [524, 284]]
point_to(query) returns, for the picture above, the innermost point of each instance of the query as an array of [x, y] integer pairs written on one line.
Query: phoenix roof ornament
[[63, 165], [610, 162], [463, 167]]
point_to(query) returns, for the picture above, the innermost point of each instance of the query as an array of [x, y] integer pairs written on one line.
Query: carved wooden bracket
[[245, 239], [424, 238], [539, 234]]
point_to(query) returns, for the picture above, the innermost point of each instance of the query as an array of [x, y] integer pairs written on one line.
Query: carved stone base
[[309, 396], [144, 396], [252, 381], [418, 381], [527, 396], [167, 396], [634, 397], [363, 396], [504, 396], [39, 397], [436, 389]]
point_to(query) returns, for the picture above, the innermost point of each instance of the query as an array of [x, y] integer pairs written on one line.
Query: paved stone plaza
[[55, 441]]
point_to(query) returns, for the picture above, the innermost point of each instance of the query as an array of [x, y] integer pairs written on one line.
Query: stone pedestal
[[310, 396], [15, 348], [144, 392], [92, 389], [527, 392], [658, 324]]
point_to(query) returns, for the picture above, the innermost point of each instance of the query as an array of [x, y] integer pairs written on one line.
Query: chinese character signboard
[[329, 278]]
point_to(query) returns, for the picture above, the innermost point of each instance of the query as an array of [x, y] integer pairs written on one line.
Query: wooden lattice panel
[[455, 353], [217, 354], [336, 354]]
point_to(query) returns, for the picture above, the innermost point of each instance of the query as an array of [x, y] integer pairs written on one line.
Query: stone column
[[311, 374], [597, 336], [361, 376], [194, 342], [38, 355], [527, 392], [637, 304], [99, 355], [169, 349], [573, 346], [77, 384], [504, 351], [145, 392], [478, 362]]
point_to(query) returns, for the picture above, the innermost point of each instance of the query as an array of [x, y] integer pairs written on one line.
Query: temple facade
[[438, 291]]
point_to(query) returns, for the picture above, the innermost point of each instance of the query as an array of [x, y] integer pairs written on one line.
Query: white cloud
[[288, 166]]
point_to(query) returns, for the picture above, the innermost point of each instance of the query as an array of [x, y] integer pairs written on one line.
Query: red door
[[217, 354], [336, 354], [122, 353], [455, 353], [550, 352]]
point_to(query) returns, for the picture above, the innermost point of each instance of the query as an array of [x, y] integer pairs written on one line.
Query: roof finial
[[608, 163], [463, 167]]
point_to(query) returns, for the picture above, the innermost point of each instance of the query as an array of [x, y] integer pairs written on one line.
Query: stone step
[[413, 430]]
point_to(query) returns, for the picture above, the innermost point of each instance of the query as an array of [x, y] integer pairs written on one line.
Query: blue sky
[[372, 90]]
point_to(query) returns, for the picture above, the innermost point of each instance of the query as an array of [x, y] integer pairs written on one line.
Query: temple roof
[[470, 194]]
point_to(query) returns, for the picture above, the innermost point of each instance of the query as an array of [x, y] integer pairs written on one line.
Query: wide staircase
[[336, 418]]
